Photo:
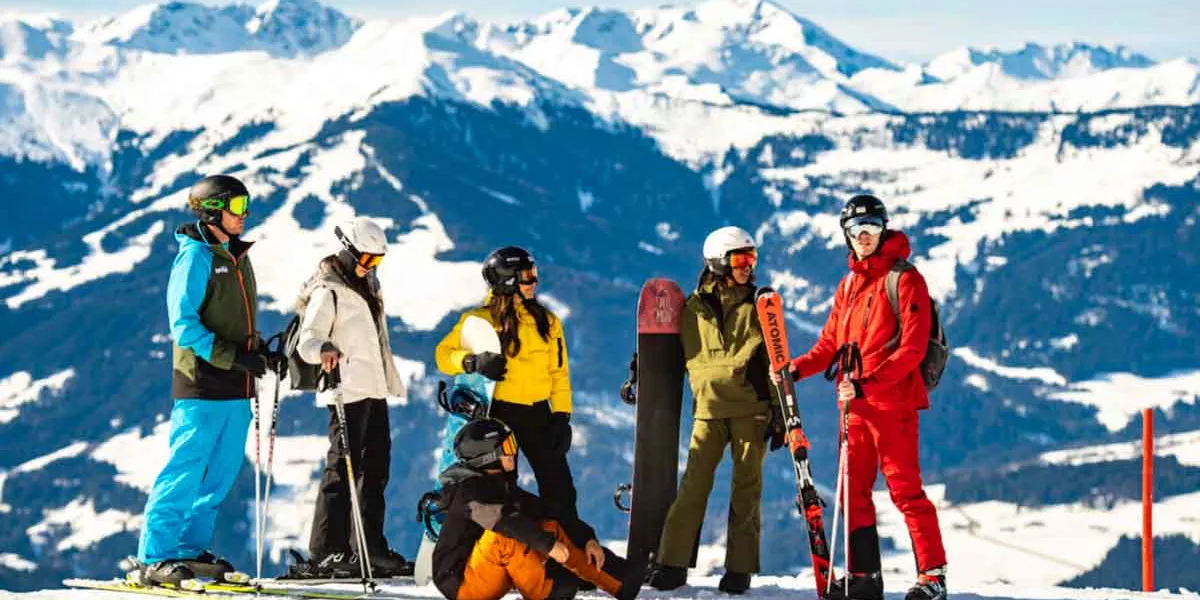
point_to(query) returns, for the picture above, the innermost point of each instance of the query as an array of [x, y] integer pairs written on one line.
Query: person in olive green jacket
[[733, 406]]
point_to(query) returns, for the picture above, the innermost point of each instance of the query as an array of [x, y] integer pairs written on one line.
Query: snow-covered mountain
[[1060, 244], [720, 51], [1038, 62], [286, 28]]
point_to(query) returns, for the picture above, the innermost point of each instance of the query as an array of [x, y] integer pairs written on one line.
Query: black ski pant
[[556, 487], [369, 434]]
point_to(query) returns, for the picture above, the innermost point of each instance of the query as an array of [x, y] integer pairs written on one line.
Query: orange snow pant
[[499, 564], [885, 439]]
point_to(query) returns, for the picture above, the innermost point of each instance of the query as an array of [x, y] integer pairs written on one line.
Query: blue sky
[[902, 30]]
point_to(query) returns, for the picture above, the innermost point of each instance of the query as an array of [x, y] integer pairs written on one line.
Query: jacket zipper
[[246, 304]]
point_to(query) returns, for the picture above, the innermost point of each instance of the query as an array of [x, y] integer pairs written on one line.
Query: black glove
[[560, 432], [277, 362], [776, 431], [489, 364], [254, 362]]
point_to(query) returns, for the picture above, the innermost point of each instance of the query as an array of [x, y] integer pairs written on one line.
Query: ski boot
[[863, 586], [931, 585], [666, 577], [335, 565], [390, 563], [734, 583], [166, 573], [210, 566]]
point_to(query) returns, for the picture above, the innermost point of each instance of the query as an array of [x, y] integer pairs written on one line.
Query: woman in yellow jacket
[[533, 389]]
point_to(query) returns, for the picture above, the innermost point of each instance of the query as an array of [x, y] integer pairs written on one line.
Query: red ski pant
[[885, 439]]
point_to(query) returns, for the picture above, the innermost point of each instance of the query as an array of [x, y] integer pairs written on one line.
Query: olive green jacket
[[724, 352]]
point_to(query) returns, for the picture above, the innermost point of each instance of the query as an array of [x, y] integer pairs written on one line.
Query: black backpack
[[937, 352], [303, 375]]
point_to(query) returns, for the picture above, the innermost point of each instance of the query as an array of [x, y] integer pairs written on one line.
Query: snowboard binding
[[461, 401]]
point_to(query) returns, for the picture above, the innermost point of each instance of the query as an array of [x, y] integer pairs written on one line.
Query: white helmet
[[721, 242], [362, 236]]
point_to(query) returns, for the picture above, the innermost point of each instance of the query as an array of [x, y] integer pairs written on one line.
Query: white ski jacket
[[366, 365]]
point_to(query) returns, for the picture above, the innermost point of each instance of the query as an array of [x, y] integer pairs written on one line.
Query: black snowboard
[[659, 397]]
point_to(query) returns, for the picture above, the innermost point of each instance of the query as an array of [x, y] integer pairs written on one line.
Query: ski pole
[[851, 369], [837, 507], [270, 470], [364, 557], [258, 542]]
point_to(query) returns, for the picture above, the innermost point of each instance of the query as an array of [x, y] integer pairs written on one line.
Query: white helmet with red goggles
[[364, 240], [722, 244]]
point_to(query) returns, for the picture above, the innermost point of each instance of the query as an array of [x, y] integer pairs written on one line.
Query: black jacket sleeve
[[535, 507], [512, 524]]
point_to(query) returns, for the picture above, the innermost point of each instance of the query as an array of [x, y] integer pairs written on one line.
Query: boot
[[931, 585], [565, 583], [389, 563], [335, 565], [210, 566], [734, 583], [666, 577], [171, 573], [863, 586]]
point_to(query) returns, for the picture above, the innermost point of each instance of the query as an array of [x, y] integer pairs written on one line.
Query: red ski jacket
[[861, 313]]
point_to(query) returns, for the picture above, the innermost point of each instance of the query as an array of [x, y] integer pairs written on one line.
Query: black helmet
[[502, 266], [864, 205], [481, 443], [212, 194]]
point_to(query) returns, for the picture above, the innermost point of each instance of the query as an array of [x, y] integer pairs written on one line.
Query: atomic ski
[[770, 316]]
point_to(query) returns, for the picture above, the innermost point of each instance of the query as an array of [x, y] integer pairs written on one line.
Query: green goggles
[[237, 206]]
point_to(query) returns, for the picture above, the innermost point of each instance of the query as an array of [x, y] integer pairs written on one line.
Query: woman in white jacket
[[345, 327]]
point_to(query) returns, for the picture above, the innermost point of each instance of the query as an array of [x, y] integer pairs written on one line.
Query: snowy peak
[[285, 28], [32, 39], [721, 51], [765, 23], [301, 27], [175, 28], [1038, 62]]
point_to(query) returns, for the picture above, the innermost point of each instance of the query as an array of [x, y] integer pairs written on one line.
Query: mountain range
[[1051, 193]]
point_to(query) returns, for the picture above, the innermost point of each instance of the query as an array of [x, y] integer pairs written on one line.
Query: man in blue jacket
[[217, 355]]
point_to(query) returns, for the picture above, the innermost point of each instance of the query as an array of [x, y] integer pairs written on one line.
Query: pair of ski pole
[[262, 500], [334, 380], [849, 365]]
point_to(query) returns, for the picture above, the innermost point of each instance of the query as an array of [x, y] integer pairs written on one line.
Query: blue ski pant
[[208, 445]]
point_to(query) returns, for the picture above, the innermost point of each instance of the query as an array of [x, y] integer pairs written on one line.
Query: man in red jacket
[[883, 399]]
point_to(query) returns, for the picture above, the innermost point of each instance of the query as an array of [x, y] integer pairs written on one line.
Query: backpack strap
[[892, 285], [334, 294]]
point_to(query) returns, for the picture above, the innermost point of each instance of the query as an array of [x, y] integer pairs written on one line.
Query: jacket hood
[[457, 473]]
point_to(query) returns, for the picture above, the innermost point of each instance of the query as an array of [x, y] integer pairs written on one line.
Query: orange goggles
[[509, 446], [369, 261], [743, 259]]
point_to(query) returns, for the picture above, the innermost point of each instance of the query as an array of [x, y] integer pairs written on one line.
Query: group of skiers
[[497, 537]]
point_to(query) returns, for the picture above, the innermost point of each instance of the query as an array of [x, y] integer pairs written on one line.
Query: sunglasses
[[743, 259], [369, 261], [530, 281], [237, 206], [509, 446]]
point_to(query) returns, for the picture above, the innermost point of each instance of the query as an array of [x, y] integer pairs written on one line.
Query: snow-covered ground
[[705, 588]]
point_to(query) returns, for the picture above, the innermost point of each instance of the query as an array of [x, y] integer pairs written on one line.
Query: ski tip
[[765, 291]]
